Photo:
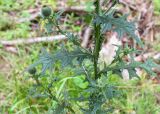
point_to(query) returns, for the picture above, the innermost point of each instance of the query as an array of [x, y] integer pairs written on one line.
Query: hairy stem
[[97, 40]]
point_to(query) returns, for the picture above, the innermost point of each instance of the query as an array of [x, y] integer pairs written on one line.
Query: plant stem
[[97, 40], [51, 96]]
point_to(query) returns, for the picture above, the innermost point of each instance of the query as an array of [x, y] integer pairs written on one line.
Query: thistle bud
[[32, 71], [46, 11]]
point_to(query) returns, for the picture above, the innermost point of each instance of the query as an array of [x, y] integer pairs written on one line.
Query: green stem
[[51, 96], [97, 40]]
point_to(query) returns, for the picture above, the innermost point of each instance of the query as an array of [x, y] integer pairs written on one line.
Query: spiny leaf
[[49, 27], [59, 109], [80, 54], [106, 27], [121, 65], [47, 60], [67, 57], [110, 92], [121, 52], [64, 57], [132, 73], [148, 65], [120, 25], [57, 15], [73, 38]]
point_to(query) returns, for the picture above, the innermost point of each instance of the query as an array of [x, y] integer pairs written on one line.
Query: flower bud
[[46, 11], [32, 71]]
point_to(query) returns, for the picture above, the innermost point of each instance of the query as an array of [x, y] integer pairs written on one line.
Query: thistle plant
[[92, 82]]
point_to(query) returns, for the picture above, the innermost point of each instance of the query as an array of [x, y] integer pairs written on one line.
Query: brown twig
[[21, 41], [130, 5], [145, 56], [87, 34]]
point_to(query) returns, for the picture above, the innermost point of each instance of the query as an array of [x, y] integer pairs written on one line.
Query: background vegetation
[[16, 95]]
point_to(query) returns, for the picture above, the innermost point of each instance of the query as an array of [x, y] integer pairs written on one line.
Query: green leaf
[[80, 82], [106, 27], [119, 25], [64, 57], [73, 38], [57, 15], [47, 60], [118, 64], [67, 57], [148, 65], [59, 109], [110, 92], [132, 72], [81, 54], [49, 27]]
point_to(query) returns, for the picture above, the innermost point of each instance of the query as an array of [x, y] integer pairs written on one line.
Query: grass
[[138, 96], [15, 87]]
